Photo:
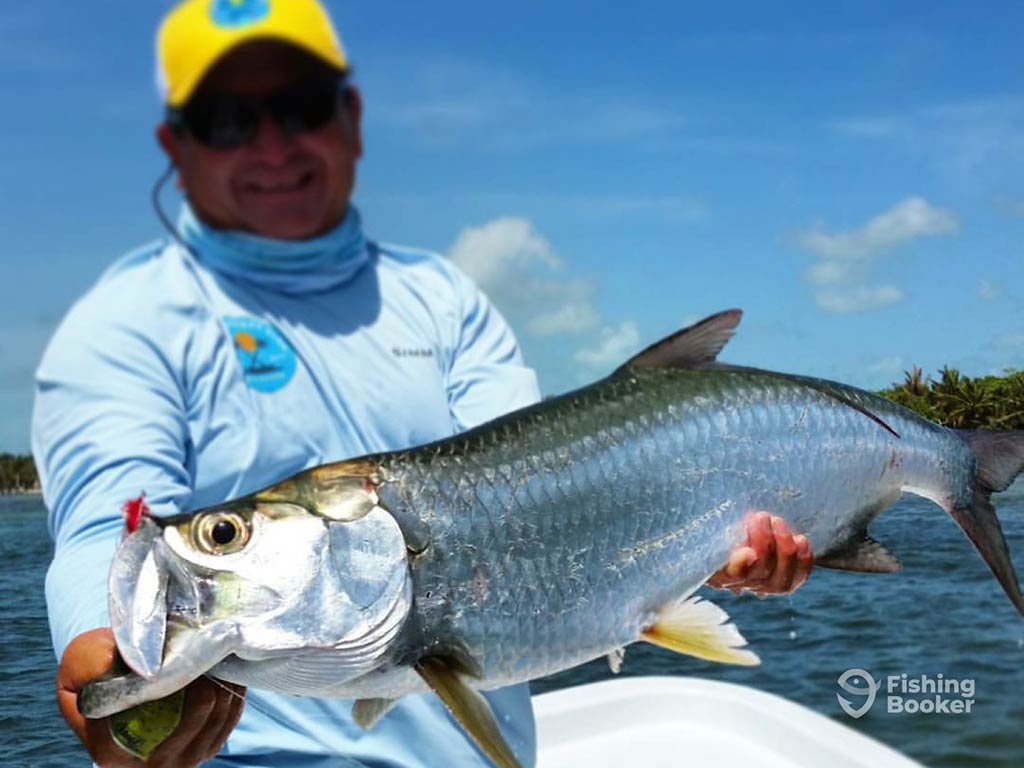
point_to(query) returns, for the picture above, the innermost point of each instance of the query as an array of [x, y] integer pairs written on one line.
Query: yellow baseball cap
[[196, 33]]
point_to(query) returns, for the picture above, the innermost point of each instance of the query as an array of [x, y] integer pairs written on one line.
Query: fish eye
[[224, 532], [221, 532]]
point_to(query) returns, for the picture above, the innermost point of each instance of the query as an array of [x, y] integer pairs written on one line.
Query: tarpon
[[541, 540]]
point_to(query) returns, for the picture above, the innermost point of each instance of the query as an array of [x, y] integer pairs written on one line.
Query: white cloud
[[535, 289], [572, 317], [520, 271], [845, 259], [500, 250], [614, 346], [909, 219], [987, 291]]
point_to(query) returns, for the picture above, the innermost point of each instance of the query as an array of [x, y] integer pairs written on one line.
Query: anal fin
[[469, 708], [698, 627], [862, 554], [366, 712]]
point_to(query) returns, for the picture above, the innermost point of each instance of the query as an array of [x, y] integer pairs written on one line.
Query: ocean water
[[943, 614]]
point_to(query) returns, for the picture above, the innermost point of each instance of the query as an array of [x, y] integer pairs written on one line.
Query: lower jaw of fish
[[189, 653]]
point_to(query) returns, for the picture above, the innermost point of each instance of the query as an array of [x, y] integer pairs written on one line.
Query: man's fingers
[[804, 560], [773, 562], [179, 748], [781, 578], [735, 570], [740, 563], [225, 717], [235, 705], [202, 746], [87, 656], [67, 703], [762, 541]]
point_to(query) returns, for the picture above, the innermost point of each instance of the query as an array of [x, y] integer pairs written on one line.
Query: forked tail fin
[[999, 458]]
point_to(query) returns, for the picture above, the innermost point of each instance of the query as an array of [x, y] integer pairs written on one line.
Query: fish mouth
[[177, 616], [161, 651], [190, 653]]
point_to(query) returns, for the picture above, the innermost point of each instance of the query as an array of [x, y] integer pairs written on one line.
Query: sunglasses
[[229, 120]]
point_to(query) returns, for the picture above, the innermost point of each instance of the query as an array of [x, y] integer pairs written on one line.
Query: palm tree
[[915, 382]]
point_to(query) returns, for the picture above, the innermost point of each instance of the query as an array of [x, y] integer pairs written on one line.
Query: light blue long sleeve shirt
[[201, 374]]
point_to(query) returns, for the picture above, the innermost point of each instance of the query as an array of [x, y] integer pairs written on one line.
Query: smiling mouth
[[281, 187]]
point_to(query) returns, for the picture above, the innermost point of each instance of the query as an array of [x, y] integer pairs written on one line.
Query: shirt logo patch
[[238, 13], [267, 359]]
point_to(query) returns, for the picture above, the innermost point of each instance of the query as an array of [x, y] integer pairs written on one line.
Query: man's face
[[287, 187]]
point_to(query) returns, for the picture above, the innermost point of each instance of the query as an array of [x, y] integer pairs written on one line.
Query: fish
[[551, 536]]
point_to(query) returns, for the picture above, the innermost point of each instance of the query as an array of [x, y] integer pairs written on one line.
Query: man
[[269, 335]]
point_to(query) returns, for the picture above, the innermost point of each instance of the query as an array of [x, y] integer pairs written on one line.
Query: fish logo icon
[[869, 690]]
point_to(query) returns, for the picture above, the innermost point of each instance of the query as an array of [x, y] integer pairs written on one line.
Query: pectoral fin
[[862, 554], [700, 628], [469, 708], [366, 712]]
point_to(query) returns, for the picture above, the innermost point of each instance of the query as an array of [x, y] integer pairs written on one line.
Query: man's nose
[[270, 140]]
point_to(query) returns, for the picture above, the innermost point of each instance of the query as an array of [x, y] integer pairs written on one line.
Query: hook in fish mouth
[[157, 653]]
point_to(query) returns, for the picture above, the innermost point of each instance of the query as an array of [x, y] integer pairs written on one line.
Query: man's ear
[[168, 142], [353, 116], [171, 145]]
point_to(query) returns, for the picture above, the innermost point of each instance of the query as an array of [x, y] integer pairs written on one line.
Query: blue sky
[[850, 174]]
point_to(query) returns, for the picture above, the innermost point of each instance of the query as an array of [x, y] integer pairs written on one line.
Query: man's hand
[[774, 561], [210, 712]]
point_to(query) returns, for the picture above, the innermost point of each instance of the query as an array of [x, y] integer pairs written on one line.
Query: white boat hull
[[671, 721]]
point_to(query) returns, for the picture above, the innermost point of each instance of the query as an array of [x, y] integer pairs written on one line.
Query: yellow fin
[[699, 628], [469, 708]]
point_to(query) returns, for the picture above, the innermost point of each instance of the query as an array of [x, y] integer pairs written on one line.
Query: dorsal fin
[[697, 347], [692, 346]]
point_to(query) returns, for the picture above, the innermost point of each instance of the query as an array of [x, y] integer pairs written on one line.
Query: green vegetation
[[17, 474], [988, 402]]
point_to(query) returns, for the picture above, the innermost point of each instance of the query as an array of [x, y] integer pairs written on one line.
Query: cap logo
[[238, 13]]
